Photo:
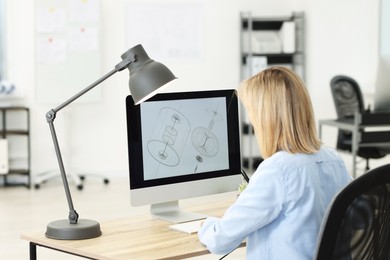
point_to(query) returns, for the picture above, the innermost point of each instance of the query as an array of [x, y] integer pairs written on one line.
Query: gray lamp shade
[[146, 75]]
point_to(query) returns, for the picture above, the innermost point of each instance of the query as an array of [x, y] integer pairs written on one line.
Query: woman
[[281, 209]]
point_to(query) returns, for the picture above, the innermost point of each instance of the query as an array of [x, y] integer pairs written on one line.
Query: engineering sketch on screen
[[173, 147]]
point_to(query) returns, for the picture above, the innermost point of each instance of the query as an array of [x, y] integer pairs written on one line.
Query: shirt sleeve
[[258, 205]]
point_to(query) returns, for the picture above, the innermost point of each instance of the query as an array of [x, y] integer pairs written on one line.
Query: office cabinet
[[15, 129], [267, 41]]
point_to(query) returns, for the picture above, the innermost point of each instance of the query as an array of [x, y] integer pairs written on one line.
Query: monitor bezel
[[134, 135]]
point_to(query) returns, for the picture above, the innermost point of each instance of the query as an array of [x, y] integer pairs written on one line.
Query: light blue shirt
[[281, 209]]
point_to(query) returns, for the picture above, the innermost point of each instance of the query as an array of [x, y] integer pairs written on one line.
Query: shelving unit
[[15, 128], [278, 40], [266, 41]]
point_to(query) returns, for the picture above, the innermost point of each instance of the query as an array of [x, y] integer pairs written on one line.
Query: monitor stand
[[171, 212]]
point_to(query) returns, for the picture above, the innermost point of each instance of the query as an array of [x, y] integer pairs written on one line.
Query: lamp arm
[[73, 215], [51, 115], [120, 66]]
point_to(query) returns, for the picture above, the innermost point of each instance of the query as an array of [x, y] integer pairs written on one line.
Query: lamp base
[[63, 230]]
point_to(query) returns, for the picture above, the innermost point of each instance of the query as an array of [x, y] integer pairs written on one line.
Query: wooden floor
[[24, 210]]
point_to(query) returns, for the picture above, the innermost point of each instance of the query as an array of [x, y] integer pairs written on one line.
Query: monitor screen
[[182, 145]]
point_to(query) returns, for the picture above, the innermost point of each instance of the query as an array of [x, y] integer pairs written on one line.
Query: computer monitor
[[382, 85], [182, 145]]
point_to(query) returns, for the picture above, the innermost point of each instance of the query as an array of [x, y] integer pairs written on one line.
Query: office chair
[[357, 223], [348, 99]]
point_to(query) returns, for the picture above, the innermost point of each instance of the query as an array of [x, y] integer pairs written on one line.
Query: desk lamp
[[146, 78]]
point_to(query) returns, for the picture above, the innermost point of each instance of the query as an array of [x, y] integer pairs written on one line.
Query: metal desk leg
[[355, 142], [33, 251], [354, 152]]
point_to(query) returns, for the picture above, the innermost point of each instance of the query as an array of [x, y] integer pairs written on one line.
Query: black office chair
[[348, 99], [357, 224]]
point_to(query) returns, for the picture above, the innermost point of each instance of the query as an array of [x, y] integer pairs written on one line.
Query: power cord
[[226, 254]]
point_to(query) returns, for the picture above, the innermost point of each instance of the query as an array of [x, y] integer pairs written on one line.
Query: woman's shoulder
[[287, 162], [283, 157]]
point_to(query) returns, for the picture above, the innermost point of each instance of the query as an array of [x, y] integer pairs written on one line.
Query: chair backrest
[[348, 99], [347, 96], [357, 224]]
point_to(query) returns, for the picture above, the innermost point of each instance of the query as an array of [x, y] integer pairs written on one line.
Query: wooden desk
[[360, 139], [140, 237]]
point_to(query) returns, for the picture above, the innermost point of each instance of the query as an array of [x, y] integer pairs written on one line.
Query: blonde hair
[[280, 110]]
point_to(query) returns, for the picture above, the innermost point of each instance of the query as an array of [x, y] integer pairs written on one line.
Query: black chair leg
[[367, 165]]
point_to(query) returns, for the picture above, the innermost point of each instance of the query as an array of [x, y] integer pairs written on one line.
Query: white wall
[[342, 38]]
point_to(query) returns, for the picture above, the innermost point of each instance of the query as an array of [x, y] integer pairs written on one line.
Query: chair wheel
[[37, 186], [82, 177], [106, 181], [80, 187]]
